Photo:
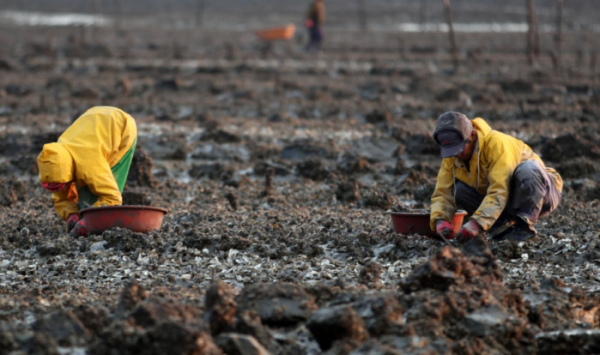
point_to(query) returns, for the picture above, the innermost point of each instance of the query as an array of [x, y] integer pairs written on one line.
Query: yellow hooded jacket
[[85, 154], [494, 160]]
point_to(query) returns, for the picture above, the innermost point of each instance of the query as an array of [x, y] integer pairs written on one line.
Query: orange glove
[[468, 231], [445, 229]]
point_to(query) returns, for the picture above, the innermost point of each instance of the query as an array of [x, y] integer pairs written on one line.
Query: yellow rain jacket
[[84, 156], [494, 160]]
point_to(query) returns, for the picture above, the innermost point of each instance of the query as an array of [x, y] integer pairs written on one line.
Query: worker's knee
[[527, 170]]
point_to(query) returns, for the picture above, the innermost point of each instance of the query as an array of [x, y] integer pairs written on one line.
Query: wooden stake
[[558, 36], [453, 45], [362, 15]]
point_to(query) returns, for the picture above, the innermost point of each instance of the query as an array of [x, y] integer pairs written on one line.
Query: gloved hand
[[309, 23], [72, 221], [79, 230], [468, 231], [444, 229]]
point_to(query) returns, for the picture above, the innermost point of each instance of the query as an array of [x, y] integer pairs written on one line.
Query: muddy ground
[[307, 262]]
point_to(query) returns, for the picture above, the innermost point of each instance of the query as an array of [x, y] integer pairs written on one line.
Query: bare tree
[[362, 14], [558, 36], [533, 36], [453, 45]]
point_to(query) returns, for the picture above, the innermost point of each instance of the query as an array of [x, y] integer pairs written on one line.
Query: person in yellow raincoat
[[89, 164], [495, 177]]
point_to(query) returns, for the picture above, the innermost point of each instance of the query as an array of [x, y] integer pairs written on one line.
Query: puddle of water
[[25, 18]]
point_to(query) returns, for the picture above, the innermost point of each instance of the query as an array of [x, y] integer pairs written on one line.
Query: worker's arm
[[504, 160], [442, 202], [64, 208], [101, 182]]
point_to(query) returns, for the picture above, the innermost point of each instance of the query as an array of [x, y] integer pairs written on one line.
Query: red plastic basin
[[142, 219], [411, 223]]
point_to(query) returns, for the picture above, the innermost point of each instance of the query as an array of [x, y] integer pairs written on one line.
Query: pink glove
[[468, 231], [444, 229], [80, 230], [72, 221], [309, 23]]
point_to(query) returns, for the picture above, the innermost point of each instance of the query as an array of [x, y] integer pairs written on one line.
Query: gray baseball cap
[[451, 133]]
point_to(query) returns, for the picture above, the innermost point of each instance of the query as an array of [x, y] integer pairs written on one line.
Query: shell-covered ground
[[277, 169]]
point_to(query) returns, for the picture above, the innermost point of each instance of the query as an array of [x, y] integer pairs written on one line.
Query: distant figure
[[315, 19]]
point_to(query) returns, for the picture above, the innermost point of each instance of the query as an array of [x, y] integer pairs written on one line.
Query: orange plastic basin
[[142, 219], [277, 33], [411, 223]]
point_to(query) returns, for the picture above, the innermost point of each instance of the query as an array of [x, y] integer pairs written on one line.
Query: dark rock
[[94, 318], [165, 338], [448, 267], [377, 116], [17, 90], [572, 341], [155, 311], [380, 313], [167, 84], [279, 304], [39, 344], [348, 191], [132, 295], [577, 168], [216, 171], [452, 94], [12, 191], [140, 172], [220, 136], [418, 144], [379, 201], [375, 149], [131, 198], [237, 344], [64, 327], [249, 323], [351, 164], [85, 93], [481, 322], [336, 323], [570, 146], [370, 274], [518, 86], [304, 149], [313, 169]]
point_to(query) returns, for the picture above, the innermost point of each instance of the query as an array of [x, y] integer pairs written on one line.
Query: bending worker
[[496, 178], [89, 164]]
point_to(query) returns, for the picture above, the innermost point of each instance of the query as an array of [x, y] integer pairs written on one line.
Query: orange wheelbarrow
[[276, 33]]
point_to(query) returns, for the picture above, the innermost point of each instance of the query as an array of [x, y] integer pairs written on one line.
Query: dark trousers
[[532, 195], [316, 38]]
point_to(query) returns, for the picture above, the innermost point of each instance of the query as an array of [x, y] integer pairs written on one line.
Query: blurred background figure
[[315, 19]]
